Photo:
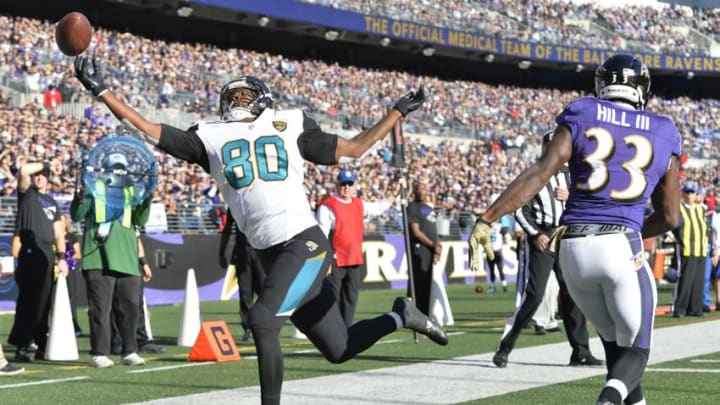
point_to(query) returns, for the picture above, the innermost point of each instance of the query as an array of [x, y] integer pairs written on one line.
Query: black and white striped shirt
[[542, 213]]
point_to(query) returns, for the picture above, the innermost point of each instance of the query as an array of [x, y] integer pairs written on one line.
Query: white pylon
[[190, 321], [148, 328], [61, 343]]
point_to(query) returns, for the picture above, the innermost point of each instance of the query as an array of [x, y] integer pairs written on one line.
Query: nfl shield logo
[[280, 125]]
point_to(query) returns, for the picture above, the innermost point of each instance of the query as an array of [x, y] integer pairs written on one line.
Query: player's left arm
[[666, 203], [355, 147], [532, 179], [184, 145]]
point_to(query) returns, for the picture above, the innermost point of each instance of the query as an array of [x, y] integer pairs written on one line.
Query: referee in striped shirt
[[539, 218]]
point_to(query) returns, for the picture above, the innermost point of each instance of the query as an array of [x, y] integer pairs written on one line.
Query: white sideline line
[[464, 378], [389, 341], [704, 361], [685, 370], [150, 370], [43, 382]]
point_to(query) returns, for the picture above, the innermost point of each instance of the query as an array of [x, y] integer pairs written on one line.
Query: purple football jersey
[[619, 155]]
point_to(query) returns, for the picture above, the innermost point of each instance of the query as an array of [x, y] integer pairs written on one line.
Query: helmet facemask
[[243, 98]]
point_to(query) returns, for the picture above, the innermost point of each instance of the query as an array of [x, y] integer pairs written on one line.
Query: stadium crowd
[[659, 28], [506, 121]]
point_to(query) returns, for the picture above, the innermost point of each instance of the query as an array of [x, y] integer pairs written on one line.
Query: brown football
[[73, 33]]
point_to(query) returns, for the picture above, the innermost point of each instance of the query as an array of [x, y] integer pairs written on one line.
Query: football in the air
[[479, 289], [73, 33]]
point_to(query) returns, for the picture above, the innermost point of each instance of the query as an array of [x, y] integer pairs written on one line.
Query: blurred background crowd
[[659, 27], [469, 140]]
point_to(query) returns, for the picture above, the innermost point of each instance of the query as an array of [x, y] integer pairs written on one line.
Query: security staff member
[[539, 218], [691, 237], [424, 242], [39, 226]]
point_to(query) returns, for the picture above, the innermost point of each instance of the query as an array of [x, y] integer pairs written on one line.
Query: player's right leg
[[539, 268], [622, 311]]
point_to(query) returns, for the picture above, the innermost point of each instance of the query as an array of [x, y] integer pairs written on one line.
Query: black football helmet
[[623, 77], [231, 111]]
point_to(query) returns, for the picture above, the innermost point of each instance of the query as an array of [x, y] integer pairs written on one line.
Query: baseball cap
[[346, 176], [116, 159], [689, 188]]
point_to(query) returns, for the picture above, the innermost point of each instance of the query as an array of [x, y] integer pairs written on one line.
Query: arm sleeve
[[80, 206], [141, 213], [315, 145], [325, 219], [185, 145]]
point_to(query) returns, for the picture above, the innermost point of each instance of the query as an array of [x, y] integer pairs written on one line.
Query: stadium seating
[[477, 136]]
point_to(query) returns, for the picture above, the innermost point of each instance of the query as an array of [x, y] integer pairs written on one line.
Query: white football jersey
[[259, 168]]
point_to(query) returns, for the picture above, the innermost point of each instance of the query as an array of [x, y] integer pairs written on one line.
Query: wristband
[[142, 261], [479, 219], [60, 255]]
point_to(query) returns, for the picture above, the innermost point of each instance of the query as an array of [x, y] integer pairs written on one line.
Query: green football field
[[479, 319]]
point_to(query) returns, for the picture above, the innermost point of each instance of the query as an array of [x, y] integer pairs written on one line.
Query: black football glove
[[90, 76], [410, 102]]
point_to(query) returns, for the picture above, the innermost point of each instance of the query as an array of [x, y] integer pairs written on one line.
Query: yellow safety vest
[[101, 202], [693, 231]]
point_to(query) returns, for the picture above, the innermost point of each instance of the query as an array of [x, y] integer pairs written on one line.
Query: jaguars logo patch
[[280, 125], [312, 246]]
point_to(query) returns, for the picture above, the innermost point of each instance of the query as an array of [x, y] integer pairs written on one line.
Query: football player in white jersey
[[256, 155]]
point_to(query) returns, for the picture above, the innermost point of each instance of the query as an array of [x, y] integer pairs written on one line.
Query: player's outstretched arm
[[359, 144], [532, 179], [89, 72]]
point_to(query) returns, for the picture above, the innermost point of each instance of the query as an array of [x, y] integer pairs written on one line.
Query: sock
[[398, 320], [613, 391], [610, 394], [635, 397]]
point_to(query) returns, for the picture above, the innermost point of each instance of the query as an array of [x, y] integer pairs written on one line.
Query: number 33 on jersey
[[623, 153]]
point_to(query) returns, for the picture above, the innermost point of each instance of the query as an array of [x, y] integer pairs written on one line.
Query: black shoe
[[553, 330], [586, 361], [500, 358], [151, 348], [9, 369], [504, 288], [22, 355], [706, 308], [247, 336], [417, 321], [39, 355], [539, 330]]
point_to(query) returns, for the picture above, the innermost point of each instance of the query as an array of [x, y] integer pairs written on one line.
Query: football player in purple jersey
[[619, 156]]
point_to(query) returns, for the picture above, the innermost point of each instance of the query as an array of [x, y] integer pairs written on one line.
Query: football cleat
[[415, 320]]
